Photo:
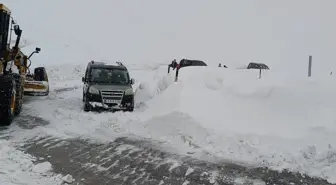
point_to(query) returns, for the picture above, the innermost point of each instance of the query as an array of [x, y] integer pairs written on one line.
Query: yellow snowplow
[[36, 84], [15, 77]]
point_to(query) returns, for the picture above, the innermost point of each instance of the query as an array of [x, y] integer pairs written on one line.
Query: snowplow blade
[[36, 88]]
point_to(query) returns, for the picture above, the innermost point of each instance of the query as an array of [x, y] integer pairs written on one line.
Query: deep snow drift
[[273, 121]]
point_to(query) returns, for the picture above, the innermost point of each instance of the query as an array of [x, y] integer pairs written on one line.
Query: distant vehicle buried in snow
[[254, 65], [186, 63], [107, 87]]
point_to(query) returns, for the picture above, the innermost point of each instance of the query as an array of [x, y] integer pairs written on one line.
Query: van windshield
[[109, 75]]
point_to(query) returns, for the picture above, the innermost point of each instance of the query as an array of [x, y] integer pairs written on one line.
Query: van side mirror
[[83, 79], [132, 81]]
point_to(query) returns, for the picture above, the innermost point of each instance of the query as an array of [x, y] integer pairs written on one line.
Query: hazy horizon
[[279, 33]]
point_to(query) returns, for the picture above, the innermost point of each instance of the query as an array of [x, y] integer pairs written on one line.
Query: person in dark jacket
[[173, 64]]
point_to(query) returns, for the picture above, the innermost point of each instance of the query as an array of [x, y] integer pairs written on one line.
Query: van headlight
[[129, 91], [93, 90]]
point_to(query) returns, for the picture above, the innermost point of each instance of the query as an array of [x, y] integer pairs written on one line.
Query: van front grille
[[112, 95]]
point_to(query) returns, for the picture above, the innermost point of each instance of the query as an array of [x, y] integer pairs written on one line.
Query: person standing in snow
[[174, 64]]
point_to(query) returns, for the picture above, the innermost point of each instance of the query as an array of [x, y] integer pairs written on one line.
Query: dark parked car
[[186, 62], [253, 65]]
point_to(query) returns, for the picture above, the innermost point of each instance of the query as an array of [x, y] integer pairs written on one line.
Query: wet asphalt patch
[[126, 161], [30, 122]]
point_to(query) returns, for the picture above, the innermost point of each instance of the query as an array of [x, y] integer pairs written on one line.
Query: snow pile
[[68, 179], [272, 121], [152, 86], [18, 168], [42, 167]]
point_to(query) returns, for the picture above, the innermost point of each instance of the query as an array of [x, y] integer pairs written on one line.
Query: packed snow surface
[[18, 168], [283, 120]]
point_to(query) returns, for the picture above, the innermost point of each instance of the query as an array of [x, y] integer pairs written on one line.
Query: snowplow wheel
[[12, 103], [19, 95], [9, 108], [19, 99]]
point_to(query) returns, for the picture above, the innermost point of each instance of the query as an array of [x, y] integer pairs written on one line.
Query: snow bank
[[19, 168], [273, 121], [151, 85]]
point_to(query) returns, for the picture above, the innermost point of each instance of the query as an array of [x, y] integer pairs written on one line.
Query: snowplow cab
[[37, 83], [12, 56]]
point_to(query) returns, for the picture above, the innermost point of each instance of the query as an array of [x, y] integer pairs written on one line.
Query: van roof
[[116, 65]]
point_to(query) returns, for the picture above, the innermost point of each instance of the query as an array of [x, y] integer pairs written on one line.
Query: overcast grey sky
[[280, 33]]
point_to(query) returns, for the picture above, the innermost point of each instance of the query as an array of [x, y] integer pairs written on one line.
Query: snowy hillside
[[282, 121]]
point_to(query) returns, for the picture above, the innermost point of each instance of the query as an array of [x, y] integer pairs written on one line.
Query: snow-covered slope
[[283, 120], [271, 121]]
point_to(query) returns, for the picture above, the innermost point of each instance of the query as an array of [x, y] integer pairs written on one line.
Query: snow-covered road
[[128, 161], [123, 161]]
